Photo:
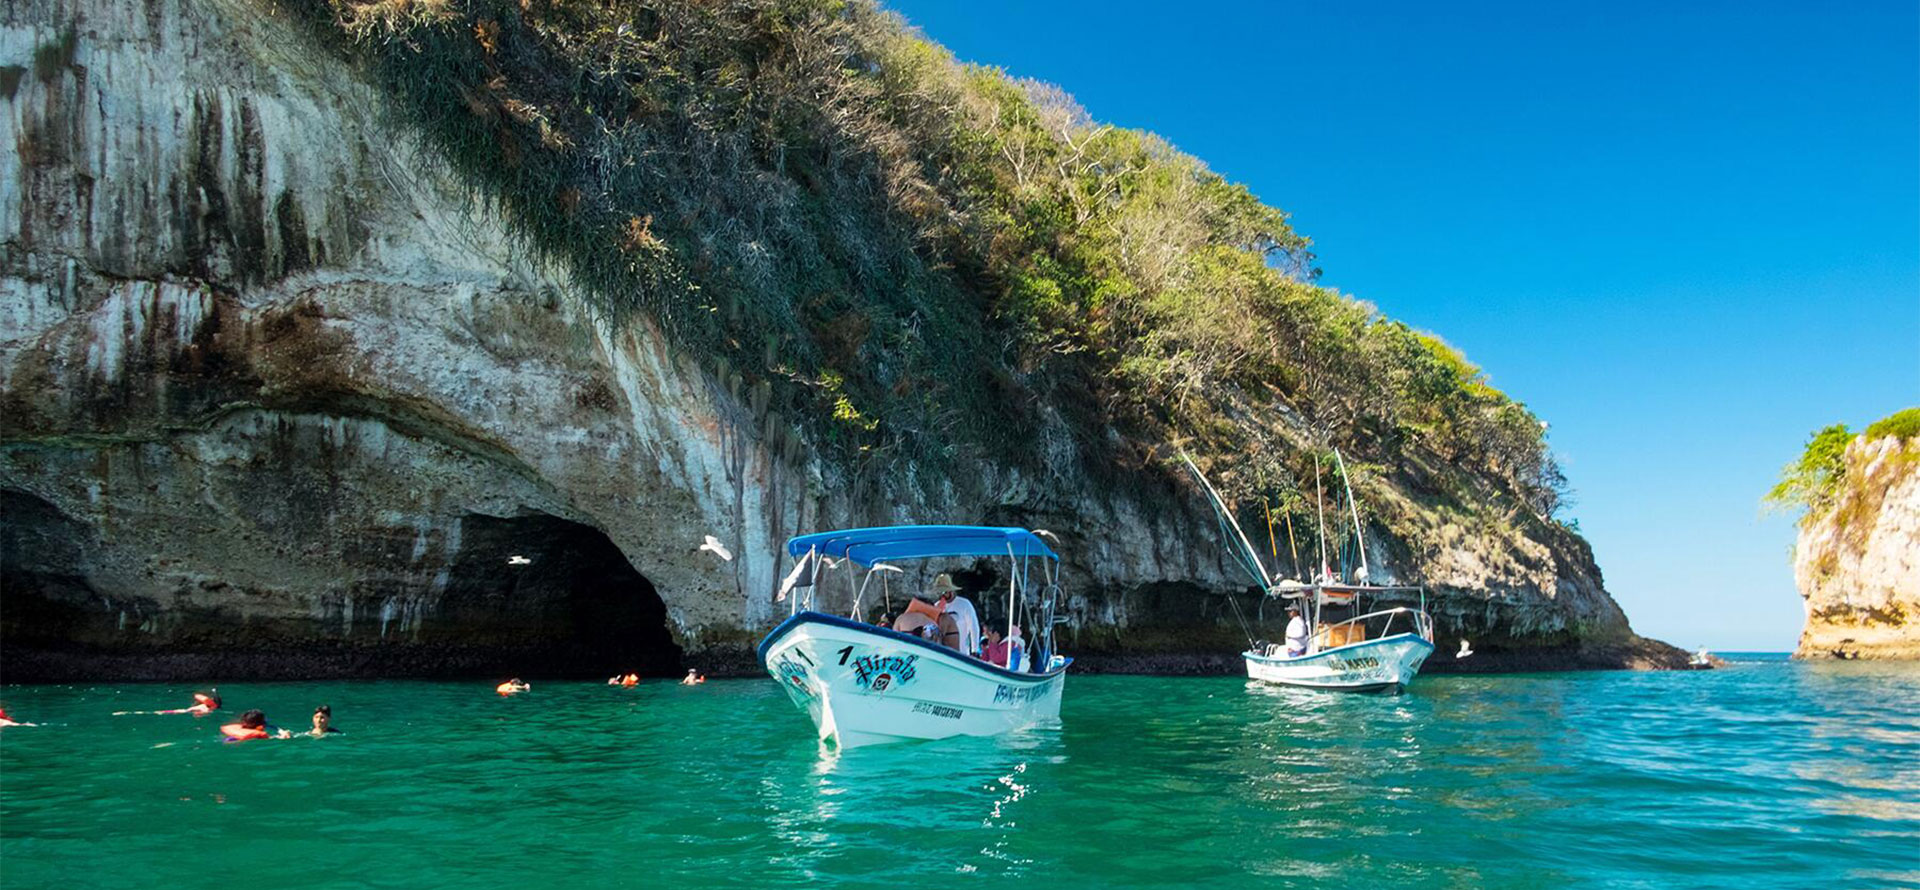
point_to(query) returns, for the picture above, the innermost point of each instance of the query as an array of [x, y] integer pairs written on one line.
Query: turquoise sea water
[[1764, 774]]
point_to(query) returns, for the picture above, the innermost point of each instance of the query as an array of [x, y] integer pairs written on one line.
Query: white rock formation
[[1858, 563]]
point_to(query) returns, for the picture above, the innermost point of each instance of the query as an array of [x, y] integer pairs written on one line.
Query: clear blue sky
[[1686, 235]]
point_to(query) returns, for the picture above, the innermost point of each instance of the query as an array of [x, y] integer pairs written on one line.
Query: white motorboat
[[1369, 651], [864, 684], [1379, 651]]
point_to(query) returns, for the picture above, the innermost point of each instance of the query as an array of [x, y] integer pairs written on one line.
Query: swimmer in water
[[629, 681], [9, 721], [253, 725], [204, 703], [693, 678], [322, 722], [512, 686]]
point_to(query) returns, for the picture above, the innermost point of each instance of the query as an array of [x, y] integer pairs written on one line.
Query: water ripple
[[1771, 774]]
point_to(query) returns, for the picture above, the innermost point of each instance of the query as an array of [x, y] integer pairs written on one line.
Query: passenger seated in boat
[[996, 650], [961, 608], [1296, 633], [922, 618]]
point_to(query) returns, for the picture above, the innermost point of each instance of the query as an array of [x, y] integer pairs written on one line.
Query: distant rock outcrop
[[1857, 560]]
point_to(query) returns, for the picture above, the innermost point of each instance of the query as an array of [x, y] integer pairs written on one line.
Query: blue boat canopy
[[867, 546]]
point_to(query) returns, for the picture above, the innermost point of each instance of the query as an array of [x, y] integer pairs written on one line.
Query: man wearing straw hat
[[965, 619]]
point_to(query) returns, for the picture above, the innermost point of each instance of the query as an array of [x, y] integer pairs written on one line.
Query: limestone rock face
[[1858, 563], [280, 397]]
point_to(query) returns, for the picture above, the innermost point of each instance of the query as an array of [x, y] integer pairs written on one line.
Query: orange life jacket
[[240, 733], [630, 680]]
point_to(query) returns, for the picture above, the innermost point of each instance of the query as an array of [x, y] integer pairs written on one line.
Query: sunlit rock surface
[[281, 398], [1858, 563]]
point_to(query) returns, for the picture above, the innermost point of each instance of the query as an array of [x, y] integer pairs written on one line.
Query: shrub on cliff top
[[920, 257], [1902, 424], [1813, 482]]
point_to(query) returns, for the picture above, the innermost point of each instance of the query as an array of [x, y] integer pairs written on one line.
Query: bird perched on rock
[[713, 544], [1466, 649]]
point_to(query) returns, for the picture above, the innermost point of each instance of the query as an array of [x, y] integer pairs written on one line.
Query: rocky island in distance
[[1857, 557]]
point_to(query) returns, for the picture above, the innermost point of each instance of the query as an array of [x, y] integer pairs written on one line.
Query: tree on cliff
[[1813, 482]]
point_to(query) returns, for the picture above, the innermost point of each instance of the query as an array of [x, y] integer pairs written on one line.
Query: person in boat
[[512, 686], [922, 618], [253, 725], [1296, 633], [997, 648], [323, 722], [693, 678], [949, 635], [965, 619]]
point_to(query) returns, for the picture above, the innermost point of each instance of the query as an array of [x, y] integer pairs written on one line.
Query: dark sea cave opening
[[556, 598]]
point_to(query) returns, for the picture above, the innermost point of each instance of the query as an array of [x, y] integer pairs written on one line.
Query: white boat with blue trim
[[864, 684], [1377, 651], [1380, 650]]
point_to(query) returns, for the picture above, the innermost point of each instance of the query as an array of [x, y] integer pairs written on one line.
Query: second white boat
[[1383, 664]]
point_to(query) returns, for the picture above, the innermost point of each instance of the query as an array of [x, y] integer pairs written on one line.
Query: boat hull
[[1383, 665], [865, 685]]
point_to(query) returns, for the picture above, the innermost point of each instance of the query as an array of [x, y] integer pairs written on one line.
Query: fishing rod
[[1247, 556], [1359, 535]]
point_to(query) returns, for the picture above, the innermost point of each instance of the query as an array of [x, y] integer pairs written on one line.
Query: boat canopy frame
[[879, 549], [867, 546]]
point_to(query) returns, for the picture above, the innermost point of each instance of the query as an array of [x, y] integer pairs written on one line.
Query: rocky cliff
[[1857, 559], [282, 395]]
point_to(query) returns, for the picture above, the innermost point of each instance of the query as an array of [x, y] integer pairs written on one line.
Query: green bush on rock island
[[1857, 558], [602, 278]]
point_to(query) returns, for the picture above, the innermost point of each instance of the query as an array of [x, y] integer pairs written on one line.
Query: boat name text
[[877, 673]]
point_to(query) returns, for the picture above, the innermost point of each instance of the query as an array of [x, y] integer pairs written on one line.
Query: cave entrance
[[547, 596]]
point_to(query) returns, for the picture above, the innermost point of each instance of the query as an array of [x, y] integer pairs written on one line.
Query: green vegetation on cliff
[[904, 256], [1812, 483]]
